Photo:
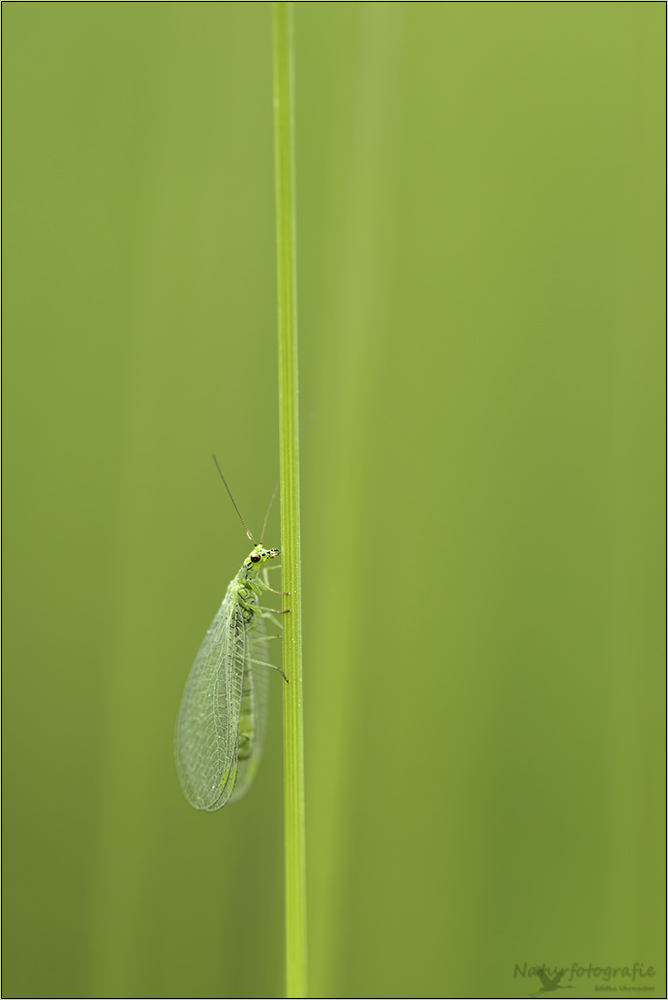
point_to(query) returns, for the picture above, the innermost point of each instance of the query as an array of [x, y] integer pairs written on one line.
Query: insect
[[222, 718]]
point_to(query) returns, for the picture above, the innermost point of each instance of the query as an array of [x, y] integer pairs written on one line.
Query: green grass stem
[[293, 738]]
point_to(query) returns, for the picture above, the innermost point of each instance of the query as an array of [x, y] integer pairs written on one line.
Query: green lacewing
[[222, 718]]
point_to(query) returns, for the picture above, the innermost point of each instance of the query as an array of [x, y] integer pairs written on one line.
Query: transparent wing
[[205, 740], [254, 708]]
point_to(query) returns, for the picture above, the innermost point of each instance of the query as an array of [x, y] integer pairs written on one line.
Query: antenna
[[266, 516], [235, 504]]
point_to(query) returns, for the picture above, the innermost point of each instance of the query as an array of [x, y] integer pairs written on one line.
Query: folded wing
[[205, 740]]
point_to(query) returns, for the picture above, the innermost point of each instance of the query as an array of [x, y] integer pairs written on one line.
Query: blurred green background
[[480, 292]]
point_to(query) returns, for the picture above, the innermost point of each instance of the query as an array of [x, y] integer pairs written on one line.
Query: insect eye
[[255, 557]]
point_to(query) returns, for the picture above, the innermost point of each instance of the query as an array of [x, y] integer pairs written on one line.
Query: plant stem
[[293, 739]]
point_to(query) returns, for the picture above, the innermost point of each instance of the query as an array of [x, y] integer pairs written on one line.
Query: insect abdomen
[[247, 715]]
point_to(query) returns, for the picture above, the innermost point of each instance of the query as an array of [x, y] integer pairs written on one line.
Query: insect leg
[[283, 593], [265, 584], [274, 621], [261, 663]]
